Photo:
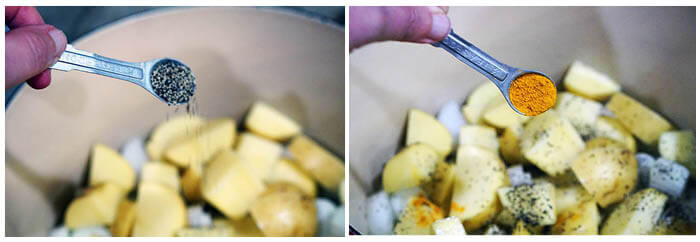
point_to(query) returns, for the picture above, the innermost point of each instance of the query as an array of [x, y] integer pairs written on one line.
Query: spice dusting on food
[[173, 81], [532, 94]]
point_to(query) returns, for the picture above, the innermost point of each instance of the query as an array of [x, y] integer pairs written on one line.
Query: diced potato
[[124, 221], [418, 216], [204, 232], [612, 128], [521, 229], [570, 197], [483, 136], [448, 226], [582, 219], [325, 167], [160, 211], [587, 82], [287, 171], [97, 207], [439, 188], [679, 146], [424, 128], [225, 176], [601, 142], [191, 182], [161, 173], [505, 218], [411, 167], [266, 121], [532, 203], [283, 210], [171, 131], [608, 173], [245, 227], [502, 116], [676, 219], [640, 120], [214, 136], [479, 174], [107, 166], [550, 142], [637, 214], [259, 154], [581, 113], [484, 97], [509, 145]]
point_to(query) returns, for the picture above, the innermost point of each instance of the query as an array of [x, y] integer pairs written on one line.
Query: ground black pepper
[[173, 81]]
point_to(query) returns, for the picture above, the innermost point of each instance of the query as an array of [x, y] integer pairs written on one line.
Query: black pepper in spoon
[[173, 81]]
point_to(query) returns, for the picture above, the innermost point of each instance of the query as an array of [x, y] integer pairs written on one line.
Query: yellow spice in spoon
[[532, 94]]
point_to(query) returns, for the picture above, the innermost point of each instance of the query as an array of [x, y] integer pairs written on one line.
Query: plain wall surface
[[649, 50]]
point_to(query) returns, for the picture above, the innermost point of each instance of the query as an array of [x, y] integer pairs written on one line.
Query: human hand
[[31, 46], [412, 24]]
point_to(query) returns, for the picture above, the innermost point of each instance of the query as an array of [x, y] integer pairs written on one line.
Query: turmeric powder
[[532, 94]]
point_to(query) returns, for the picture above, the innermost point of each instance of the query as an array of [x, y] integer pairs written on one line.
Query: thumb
[[29, 50], [413, 24]]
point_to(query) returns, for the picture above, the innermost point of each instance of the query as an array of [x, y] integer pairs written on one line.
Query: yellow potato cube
[[587, 82], [213, 137], [550, 142], [191, 183], [266, 121], [581, 113], [97, 207], [228, 186], [502, 116], [483, 98], [509, 145], [612, 128], [259, 154], [325, 167], [643, 122], [161, 173], [171, 131], [411, 167], [424, 128], [287, 171], [108, 166], [124, 222], [160, 211], [482, 136]]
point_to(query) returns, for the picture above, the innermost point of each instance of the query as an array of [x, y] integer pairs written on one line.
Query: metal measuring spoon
[[138, 73], [500, 74]]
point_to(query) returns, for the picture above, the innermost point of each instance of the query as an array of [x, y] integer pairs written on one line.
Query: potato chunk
[[124, 221], [581, 113], [107, 166], [550, 142], [643, 122], [479, 174], [411, 167], [287, 171], [439, 188], [259, 154], [284, 210], [161, 173], [587, 82], [679, 146], [612, 128], [502, 116], [424, 128], [325, 167], [534, 204], [213, 137], [160, 211], [582, 219], [608, 173], [637, 214], [483, 136], [485, 96], [266, 121], [225, 176], [418, 217], [509, 145], [97, 207], [171, 131]]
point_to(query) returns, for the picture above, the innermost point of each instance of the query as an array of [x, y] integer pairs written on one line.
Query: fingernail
[[440, 28], [59, 39]]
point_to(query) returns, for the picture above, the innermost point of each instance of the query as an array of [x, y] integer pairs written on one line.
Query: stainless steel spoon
[[134, 72], [500, 74]]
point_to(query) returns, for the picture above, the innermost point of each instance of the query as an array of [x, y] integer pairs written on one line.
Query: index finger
[[18, 16]]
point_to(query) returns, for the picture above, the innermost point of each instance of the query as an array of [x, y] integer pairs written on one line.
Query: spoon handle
[[74, 59], [476, 58]]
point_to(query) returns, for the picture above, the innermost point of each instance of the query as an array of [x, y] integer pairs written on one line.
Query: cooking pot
[[238, 55], [650, 51]]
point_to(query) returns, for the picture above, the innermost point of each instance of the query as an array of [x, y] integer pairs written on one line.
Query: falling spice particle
[[173, 81]]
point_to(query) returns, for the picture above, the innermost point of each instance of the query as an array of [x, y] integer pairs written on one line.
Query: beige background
[[650, 50]]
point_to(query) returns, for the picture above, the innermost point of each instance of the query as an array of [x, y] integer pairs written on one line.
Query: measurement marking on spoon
[[90, 61]]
